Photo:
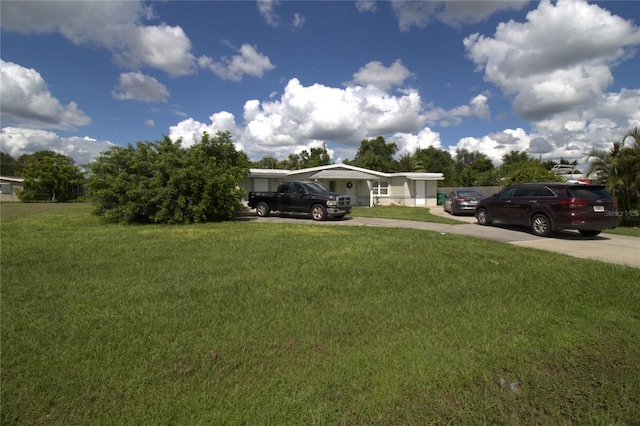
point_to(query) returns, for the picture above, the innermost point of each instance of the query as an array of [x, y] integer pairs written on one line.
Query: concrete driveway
[[619, 249]]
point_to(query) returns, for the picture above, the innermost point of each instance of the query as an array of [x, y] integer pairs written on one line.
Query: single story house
[[9, 187], [365, 187]]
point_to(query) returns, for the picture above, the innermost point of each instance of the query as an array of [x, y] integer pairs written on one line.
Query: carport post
[[370, 193]]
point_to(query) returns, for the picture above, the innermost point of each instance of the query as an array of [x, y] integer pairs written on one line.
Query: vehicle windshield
[[314, 187]]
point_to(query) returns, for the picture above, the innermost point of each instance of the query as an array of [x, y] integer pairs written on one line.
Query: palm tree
[[408, 163], [619, 169], [634, 158]]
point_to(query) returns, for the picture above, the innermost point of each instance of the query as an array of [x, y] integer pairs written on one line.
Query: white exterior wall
[[403, 191], [432, 193]]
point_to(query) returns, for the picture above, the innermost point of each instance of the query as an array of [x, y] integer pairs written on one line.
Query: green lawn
[[424, 215], [403, 213], [251, 322]]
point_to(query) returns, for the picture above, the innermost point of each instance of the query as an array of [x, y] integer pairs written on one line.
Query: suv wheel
[[483, 217], [541, 226]]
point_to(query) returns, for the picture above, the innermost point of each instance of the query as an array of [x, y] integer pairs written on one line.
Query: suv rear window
[[588, 192]]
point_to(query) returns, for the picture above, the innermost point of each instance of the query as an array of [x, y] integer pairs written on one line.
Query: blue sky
[[554, 79]]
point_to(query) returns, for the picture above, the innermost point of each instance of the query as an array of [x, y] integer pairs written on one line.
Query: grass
[[423, 215], [267, 323], [632, 231], [402, 213]]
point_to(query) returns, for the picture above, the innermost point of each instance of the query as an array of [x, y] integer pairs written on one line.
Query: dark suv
[[549, 207]]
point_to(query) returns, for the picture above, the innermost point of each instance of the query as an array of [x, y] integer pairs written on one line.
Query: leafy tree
[[375, 154], [526, 171], [550, 164], [515, 157], [408, 163], [49, 176], [162, 182], [474, 168], [7, 164], [265, 163], [436, 160], [292, 162], [475, 159], [619, 169], [317, 157]]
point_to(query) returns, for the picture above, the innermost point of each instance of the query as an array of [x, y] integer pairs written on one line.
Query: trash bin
[[441, 197]]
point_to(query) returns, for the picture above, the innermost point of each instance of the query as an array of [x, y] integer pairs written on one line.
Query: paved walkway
[[619, 249]]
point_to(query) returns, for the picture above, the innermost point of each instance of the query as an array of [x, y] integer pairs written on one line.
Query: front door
[[502, 207], [421, 193], [299, 199], [352, 192]]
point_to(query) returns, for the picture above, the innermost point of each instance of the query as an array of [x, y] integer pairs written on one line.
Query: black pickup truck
[[301, 197]]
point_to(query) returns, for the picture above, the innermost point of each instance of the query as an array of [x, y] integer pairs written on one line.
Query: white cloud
[[408, 143], [495, 145], [567, 135], [366, 5], [477, 107], [18, 141], [559, 59], [139, 87], [190, 130], [298, 21], [149, 122], [248, 62], [454, 13], [376, 74], [307, 116], [26, 100], [162, 47], [266, 9], [113, 25]]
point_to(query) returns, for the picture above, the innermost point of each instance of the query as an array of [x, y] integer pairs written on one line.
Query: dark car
[[462, 200], [549, 207]]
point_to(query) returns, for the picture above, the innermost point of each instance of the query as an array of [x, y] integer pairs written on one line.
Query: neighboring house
[[9, 187], [365, 187]]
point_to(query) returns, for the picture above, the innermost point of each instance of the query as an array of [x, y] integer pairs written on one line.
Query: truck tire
[[262, 209], [318, 212]]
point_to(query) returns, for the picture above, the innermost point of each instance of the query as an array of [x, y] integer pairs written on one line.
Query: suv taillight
[[573, 203]]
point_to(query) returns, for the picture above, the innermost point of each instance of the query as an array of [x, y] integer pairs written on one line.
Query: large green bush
[[162, 182]]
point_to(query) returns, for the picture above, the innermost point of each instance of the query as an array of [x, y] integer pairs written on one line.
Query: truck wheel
[[263, 210], [318, 212]]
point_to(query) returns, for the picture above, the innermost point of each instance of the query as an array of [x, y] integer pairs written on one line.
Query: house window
[[5, 188], [380, 188]]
